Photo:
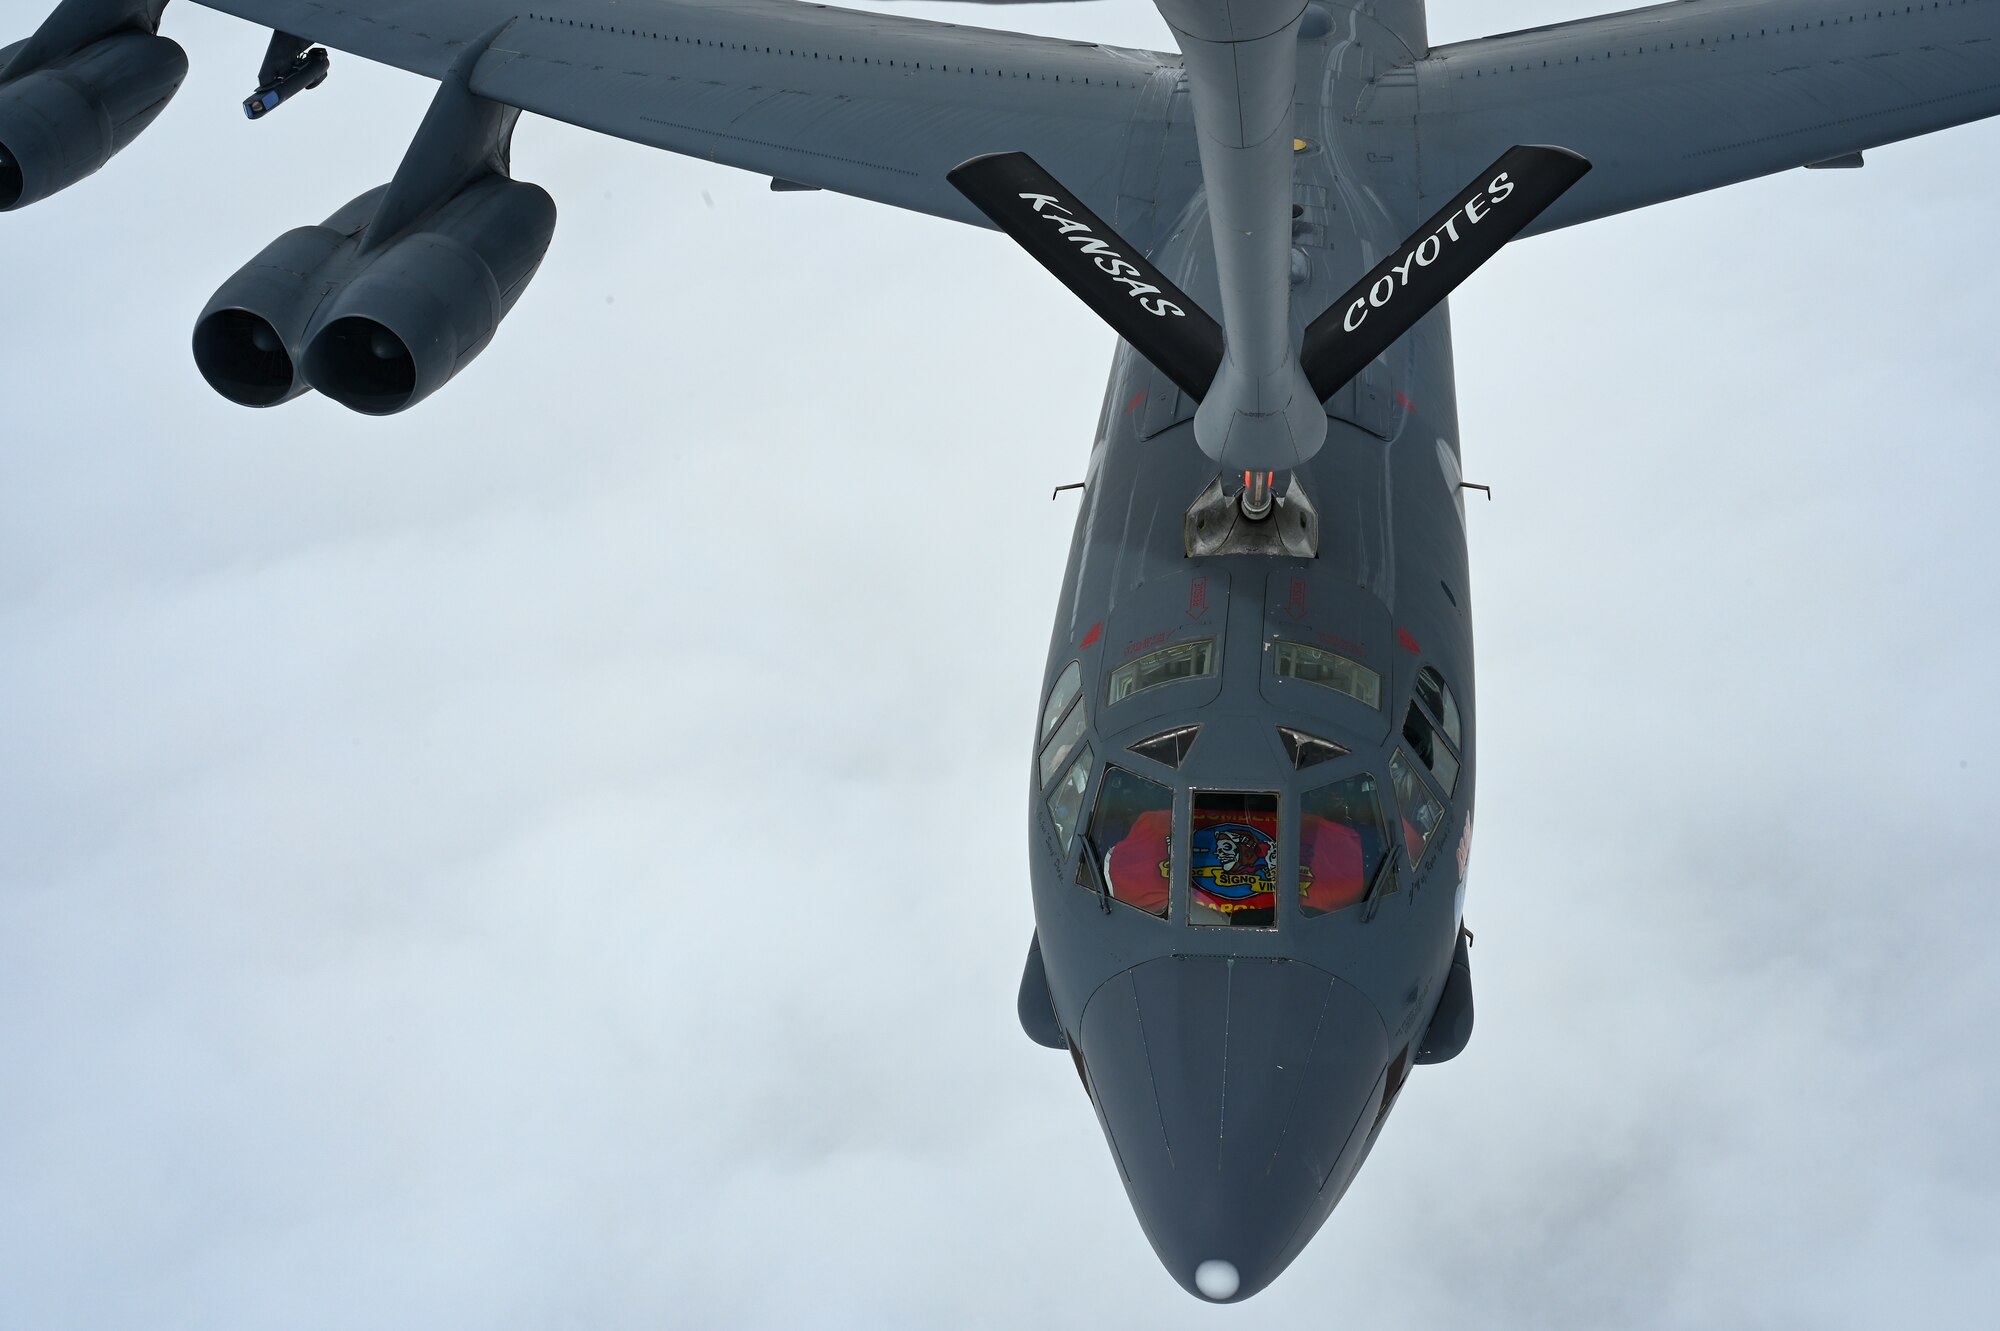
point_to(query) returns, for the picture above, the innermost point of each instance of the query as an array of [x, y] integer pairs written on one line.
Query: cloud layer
[[556, 858]]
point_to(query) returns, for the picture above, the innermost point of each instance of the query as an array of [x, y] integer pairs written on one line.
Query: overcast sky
[[555, 858]]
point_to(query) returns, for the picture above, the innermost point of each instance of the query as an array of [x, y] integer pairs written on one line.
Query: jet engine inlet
[[11, 181], [60, 123], [246, 342], [245, 359], [377, 328], [366, 366]]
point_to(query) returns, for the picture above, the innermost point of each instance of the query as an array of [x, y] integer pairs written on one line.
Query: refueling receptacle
[[1253, 520]]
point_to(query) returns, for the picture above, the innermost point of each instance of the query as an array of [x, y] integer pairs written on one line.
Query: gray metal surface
[[877, 106], [1217, 523], [1679, 98], [1260, 414], [1236, 1094], [1665, 101]]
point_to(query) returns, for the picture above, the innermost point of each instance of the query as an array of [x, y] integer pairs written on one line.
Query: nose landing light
[[1216, 1279]]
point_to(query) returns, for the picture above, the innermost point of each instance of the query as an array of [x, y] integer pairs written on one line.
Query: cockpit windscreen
[[1233, 858], [1342, 843], [1131, 832]]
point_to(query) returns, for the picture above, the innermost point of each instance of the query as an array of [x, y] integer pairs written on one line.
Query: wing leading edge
[[872, 105], [1680, 98]]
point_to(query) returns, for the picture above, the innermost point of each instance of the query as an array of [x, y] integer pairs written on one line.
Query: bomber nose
[[1234, 1092]]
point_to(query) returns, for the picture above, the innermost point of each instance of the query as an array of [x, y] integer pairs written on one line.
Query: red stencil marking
[[1137, 398], [1408, 643], [1096, 632], [1295, 602], [1403, 401]]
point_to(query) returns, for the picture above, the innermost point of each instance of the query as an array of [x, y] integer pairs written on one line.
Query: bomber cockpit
[[1301, 804]]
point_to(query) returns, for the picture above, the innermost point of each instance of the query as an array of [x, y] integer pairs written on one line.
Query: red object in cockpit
[[1331, 873], [1136, 868]]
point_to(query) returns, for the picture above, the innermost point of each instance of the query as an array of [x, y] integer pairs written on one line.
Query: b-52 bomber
[[1251, 785]]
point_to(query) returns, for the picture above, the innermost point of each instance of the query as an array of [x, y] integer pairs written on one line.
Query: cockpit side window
[[1069, 685], [1183, 660], [1066, 800], [1295, 660], [1233, 858], [1131, 837], [1062, 743], [1343, 844], [1420, 810], [1424, 741], [1436, 697], [1432, 711]]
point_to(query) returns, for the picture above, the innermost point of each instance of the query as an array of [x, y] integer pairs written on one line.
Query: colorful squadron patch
[[1234, 867]]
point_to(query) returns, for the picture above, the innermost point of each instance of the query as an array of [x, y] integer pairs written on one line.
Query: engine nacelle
[[375, 329], [247, 341], [430, 301], [63, 121]]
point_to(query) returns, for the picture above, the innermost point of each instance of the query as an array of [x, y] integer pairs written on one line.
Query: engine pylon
[[1242, 61]]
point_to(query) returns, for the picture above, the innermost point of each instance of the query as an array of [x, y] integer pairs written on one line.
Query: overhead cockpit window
[[1424, 741], [1131, 837], [1233, 858], [1169, 746], [1436, 697], [1184, 660], [1421, 811], [1295, 660], [1066, 800], [1062, 743], [1343, 845], [1308, 750], [1069, 685]]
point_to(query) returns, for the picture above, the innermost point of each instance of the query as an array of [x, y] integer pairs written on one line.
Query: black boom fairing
[[1439, 255], [1123, 288], [1103, 270]]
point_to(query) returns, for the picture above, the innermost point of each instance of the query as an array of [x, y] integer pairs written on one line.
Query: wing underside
[[1685, 97], [870, 105], [1666, 101]]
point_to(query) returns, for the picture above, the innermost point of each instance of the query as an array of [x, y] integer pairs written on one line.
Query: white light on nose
[[1216, 1279]]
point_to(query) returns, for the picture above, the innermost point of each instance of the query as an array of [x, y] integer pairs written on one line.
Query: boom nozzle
[[1255, 498]]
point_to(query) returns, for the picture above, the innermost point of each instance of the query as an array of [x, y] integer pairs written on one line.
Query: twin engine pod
[[62, 121], [376, 326]]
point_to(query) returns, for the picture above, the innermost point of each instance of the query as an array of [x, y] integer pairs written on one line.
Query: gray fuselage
[[1241, 1073]]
